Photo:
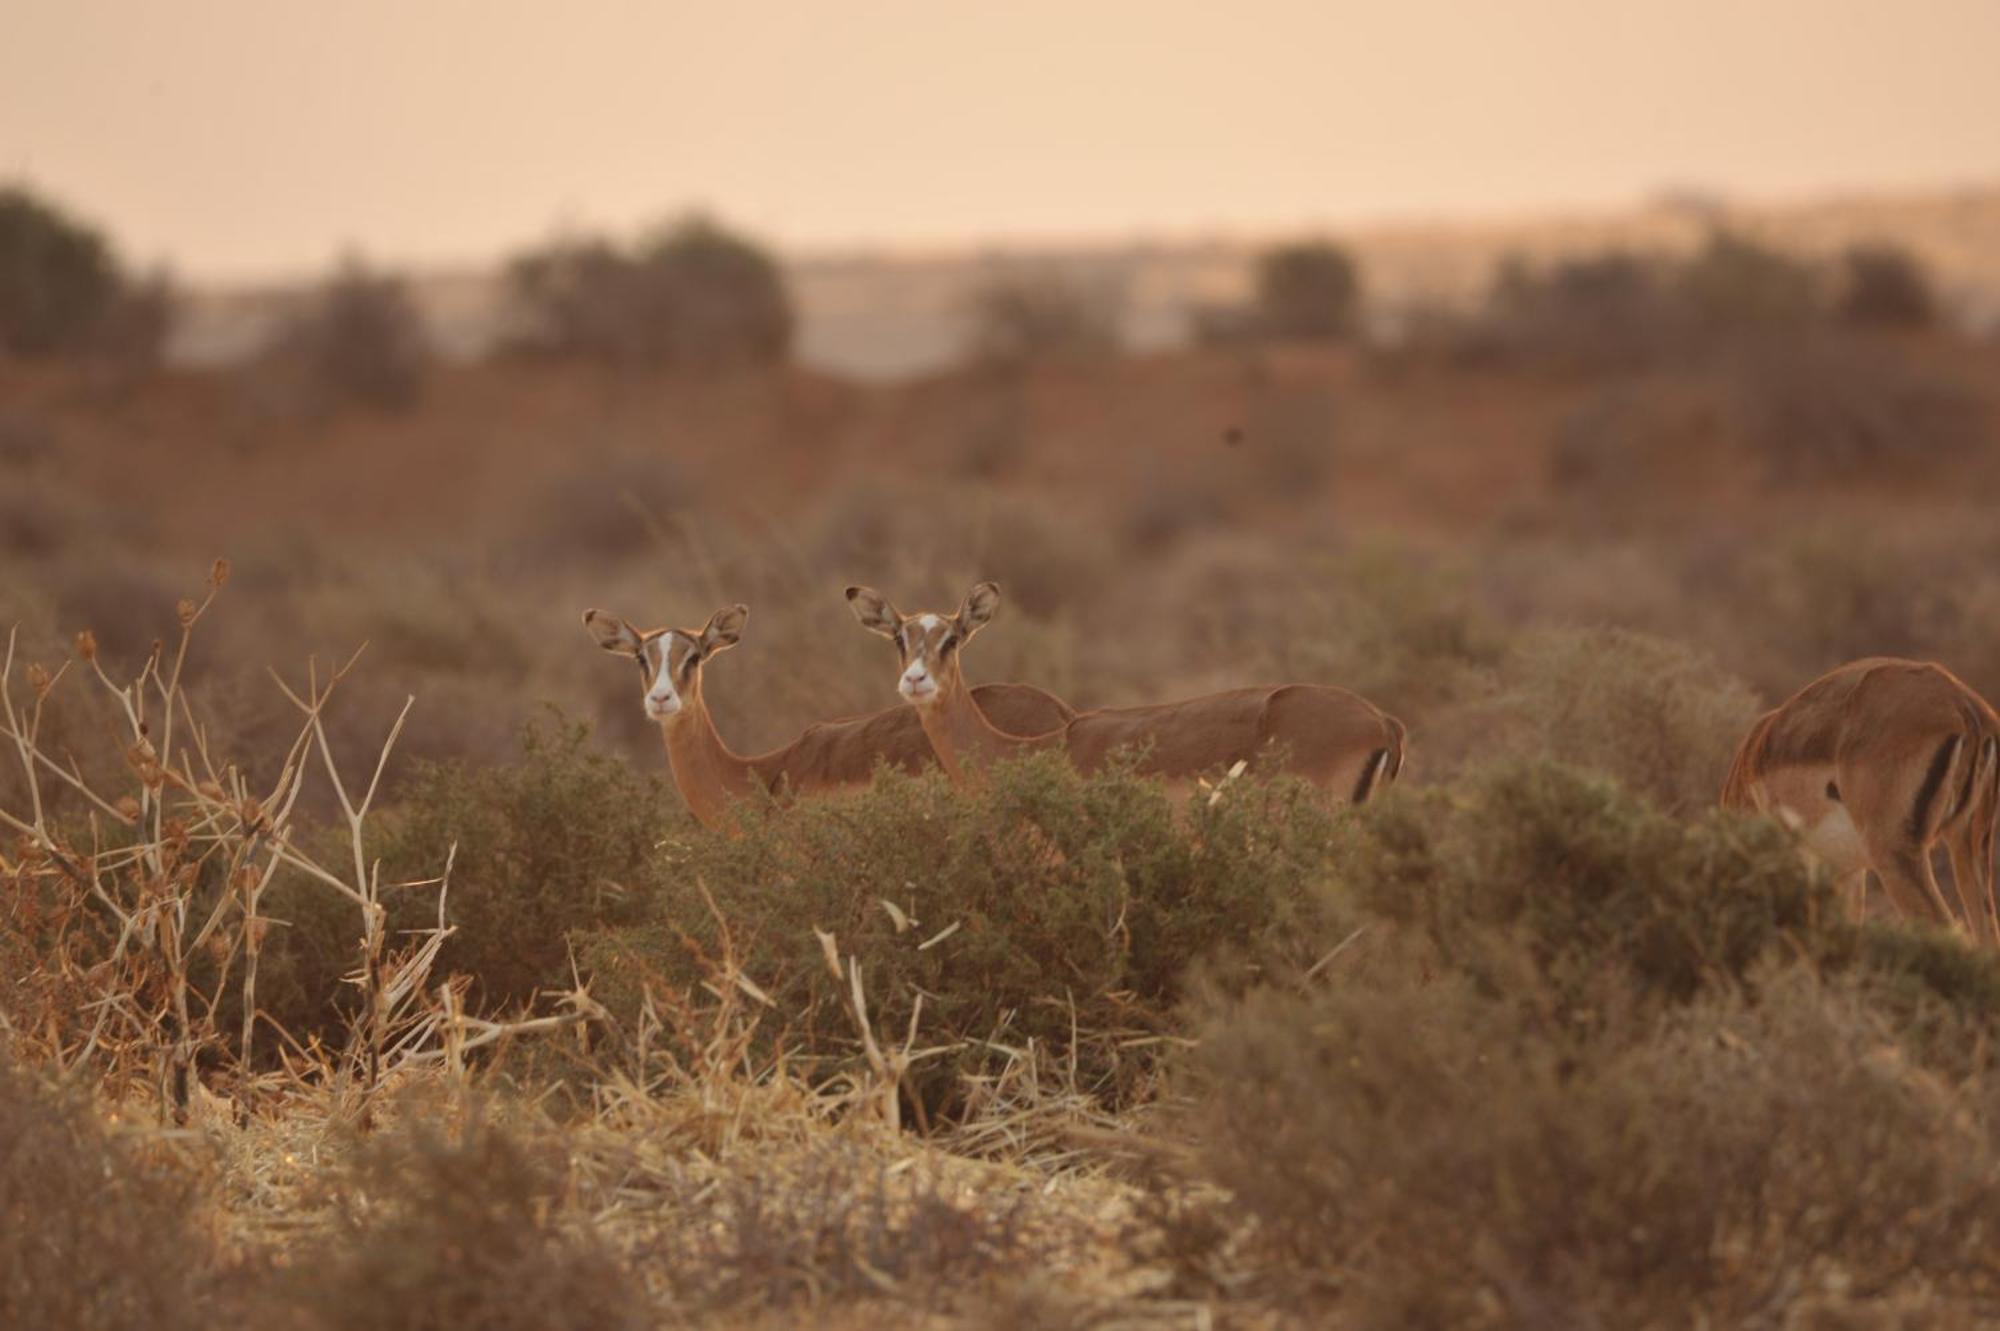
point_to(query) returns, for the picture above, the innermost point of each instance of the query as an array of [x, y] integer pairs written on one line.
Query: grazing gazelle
[[1873, 764], [828, 755], [1334, 738]]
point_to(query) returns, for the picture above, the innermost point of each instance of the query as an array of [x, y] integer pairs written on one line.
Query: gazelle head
[[927, 643], [669, 659]]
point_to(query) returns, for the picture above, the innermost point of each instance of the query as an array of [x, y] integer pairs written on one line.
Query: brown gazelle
[[1874, 764], [1332, 737], [826, 756]]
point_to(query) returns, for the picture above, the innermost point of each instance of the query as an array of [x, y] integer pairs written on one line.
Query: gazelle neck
[[709, 775], [964, 740]]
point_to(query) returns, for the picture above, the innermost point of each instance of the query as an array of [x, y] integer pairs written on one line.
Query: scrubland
[[487, 1031]]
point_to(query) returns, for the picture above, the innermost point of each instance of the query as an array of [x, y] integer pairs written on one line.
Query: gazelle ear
[[874, 611], [980, 603], [725, 630], [612, 633]]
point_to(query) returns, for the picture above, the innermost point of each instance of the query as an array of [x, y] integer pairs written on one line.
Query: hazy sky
[[240, 138]]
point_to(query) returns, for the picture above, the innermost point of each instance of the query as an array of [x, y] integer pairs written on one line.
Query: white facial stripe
[[662, 699]]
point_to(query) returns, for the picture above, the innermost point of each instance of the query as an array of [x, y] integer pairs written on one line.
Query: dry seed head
[[129, 810], [218, 576], [38, 680], [186, 610], [86, 645]]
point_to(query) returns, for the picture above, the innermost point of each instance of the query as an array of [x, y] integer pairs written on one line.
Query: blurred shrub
[[1310, 291], [1023, 316], [62, 292], [58, 277], [1887, 286], [1828, 407], [1658, 715], [1735, 286], [692, 295], [1289, 438], [1045, 908], [94, 1238], [1166, 506], [1608, 311], [835, 1221], [1611, 448], [1823, 596], [1401, 630], [429, 1231], [600, 512], [361, 341], [1446, 1160]]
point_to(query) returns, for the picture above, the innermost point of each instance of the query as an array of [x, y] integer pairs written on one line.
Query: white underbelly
[[1833, 837]]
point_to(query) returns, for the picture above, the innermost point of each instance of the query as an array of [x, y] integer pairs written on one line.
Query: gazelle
[[1334, 738], [1873, 764], [826, 756]]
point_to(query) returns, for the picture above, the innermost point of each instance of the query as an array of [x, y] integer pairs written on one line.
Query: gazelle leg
[[1907, 878], [1851, 889], [1972, 888]]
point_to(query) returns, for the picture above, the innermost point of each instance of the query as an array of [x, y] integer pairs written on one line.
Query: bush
[[1600, 312], [1661, 717], [361, 342], [693, 295], [1590, 879], [1310, 291], [560, 841], [1886, 286], [1445, 1162], [94, 1239], [1046, 908], [430, 1232], [1735, 286], [1036, 315], [62, 292]]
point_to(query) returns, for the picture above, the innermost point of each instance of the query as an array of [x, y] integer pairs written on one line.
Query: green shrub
[[1046, 907], [694, 294], [1661, 717], [1588, 878], [1310, 291], [561, 840]]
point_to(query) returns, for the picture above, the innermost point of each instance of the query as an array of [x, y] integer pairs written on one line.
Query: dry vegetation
[[324, 1013]]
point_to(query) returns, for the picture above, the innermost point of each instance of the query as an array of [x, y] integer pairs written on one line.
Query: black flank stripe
[[1927, 793], [1376, 760]]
